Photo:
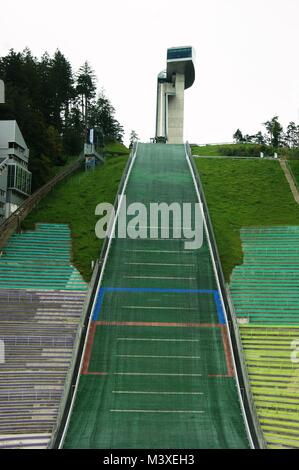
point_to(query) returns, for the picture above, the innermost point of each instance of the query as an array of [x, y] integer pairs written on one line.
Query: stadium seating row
[[41, 301], [265, 295]]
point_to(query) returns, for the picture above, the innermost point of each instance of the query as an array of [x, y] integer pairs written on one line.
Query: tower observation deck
[[179, 75]]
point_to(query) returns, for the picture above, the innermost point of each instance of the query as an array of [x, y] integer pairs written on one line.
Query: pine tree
[[259, 138], [61, 89], [86, 89], [51, 109], [238, 136], [133, 138], [275, 131], [292, 135], [102, 115]]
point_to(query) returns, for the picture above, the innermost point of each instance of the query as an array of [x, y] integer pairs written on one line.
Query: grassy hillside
[[74, 201], [116, 149], [233, 150], [243, 150], [244, 193], [207, 150]]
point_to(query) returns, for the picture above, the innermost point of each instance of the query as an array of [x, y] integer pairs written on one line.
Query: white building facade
[[15, 179]]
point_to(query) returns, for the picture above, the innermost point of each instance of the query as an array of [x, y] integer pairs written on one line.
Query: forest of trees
[[274, 135], [54, 106]]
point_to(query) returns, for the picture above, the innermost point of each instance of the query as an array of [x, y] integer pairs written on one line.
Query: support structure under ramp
[[179, 75]]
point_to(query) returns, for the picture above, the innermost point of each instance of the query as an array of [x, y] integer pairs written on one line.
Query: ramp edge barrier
[[244, 369], [12, 223], [251, 421], [73, 376], [292, 174]]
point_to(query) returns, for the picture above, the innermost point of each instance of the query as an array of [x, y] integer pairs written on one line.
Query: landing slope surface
[[157, 369]]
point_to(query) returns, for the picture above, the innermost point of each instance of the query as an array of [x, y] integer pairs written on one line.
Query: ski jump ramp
[[157, 369]]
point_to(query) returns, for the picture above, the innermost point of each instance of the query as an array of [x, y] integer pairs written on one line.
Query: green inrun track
[[157, 370]]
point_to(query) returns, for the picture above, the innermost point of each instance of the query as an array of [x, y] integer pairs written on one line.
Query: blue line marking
[[220, 312], [98, 304], [102, 291]]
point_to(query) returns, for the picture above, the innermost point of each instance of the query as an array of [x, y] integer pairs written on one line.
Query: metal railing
[[292, 174], [4, 163], [71, 380], [12, 223], [243, 366], [241, 371]]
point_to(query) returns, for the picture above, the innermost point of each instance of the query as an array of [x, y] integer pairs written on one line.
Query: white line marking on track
[[161, 251], [158, 339], [158, 308], [157, 411], [161, 239], [160, 264], [160, 357], [159, 277], [156, 393], [157, 373], [167, 228]]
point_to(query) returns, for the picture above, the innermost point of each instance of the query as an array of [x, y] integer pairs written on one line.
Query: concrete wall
[[10, 132], [170, 110], [10, 209], [13, 201]]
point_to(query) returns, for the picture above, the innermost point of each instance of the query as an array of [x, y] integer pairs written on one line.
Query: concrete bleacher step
[[272, 293], [274, 379], [265, 292], [24, 441], [33, 251]]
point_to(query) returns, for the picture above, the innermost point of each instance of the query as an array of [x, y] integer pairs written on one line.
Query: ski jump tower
[[172, 83]]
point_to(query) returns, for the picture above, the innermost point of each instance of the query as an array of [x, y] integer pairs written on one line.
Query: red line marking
[[92, 330], [87, 354], [96, 373], [218, 375], [227, 351], [133, 323]]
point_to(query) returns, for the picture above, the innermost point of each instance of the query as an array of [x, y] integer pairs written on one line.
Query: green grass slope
[[116, 149], [206, 150], [244, 193], [74, 201], [233, 150], [244, 150]]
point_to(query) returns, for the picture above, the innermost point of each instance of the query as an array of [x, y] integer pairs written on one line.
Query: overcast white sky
[[247, 67]]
